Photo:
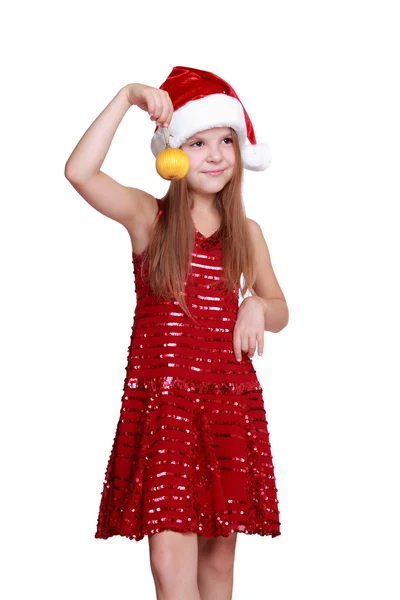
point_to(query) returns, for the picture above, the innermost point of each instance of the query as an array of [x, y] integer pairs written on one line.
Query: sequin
[[191, 450]]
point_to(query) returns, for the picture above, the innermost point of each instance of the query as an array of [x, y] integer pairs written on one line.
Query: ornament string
[[167, 135]]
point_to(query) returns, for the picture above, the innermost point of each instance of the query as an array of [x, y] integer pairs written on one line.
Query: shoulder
[[253, 226], [260, 246], [256, 233]]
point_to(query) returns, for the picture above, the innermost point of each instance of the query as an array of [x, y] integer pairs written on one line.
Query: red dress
[[191, 450]]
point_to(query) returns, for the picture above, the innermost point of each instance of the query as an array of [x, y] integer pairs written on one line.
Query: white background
[[319, 81]]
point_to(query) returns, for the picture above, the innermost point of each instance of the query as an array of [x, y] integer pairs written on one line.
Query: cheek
[[195, 162], [230, 155]]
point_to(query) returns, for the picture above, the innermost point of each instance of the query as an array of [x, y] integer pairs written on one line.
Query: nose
[[214, 153]]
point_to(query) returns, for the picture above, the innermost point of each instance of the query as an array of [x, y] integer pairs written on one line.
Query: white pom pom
[[255, 157]]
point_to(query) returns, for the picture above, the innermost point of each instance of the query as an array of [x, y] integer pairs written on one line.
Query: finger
[[171, 110], [157, 106], [168, 111], [163, 118], [170, 115], [237, 347], [150, 103], [252, 345], [260, 343]]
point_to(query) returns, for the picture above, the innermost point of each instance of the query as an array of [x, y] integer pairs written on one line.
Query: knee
[[218, 555], [171, 557], [164, 565]]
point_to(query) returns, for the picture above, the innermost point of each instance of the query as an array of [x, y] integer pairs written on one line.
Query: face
[[212, 159]]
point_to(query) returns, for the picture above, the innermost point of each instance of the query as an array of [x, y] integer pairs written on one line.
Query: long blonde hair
[[168, 254]]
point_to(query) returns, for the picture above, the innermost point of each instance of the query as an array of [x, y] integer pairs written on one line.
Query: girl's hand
[[152, 100], [249, 328]]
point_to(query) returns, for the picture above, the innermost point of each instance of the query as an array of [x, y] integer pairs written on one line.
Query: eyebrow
[[199, 137]]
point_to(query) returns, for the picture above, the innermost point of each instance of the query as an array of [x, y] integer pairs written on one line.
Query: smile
[[214, 173]]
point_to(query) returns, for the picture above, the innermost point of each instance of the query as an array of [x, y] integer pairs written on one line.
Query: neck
[[204, 203]]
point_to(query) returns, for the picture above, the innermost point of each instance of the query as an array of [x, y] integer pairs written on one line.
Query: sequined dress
[[191, 450]]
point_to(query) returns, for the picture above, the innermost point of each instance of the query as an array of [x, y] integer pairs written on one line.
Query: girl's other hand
[[249, 328], [152, 100]]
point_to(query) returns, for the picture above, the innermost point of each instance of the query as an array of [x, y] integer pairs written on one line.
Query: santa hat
[[201, 101]]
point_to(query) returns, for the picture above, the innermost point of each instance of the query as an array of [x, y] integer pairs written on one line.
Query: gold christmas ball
[[172, 163]]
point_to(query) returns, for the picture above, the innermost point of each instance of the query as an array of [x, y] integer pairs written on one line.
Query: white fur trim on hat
[[215, 110]]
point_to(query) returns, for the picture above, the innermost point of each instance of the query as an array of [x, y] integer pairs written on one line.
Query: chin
[[212, 189], [215, 184]]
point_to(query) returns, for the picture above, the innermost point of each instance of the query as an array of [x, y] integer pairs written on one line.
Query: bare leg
[[215, 567], [173, 562]]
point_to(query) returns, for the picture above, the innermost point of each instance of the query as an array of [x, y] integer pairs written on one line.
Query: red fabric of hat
[[201, 101]]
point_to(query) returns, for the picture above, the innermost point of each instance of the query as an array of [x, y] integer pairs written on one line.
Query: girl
[[191, 464]]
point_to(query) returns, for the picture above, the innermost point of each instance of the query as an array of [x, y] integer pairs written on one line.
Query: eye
[[228, 138], [194, 144]]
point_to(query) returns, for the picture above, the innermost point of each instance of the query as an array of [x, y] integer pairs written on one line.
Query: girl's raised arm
[[119, 202]]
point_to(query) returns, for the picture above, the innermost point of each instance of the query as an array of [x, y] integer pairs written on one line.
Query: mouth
[[214, 173]]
